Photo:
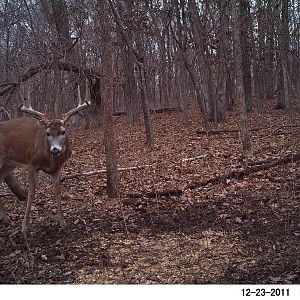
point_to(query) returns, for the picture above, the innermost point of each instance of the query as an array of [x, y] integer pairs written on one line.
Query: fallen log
[[163, 110], [288, 126], [218, 131], [119, 113], [237, 174], [277, 130], [91, 173], [16, 188]]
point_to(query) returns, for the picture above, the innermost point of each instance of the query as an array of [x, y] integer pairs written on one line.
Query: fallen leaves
[[240, 230]]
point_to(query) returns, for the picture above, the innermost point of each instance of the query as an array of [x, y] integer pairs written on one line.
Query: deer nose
[[55, 151]]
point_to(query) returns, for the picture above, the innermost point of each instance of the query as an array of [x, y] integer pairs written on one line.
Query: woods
[[168, 52], [194, 103]]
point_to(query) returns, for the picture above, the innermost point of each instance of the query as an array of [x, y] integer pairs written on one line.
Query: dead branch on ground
[[236, 174], [91, 173]]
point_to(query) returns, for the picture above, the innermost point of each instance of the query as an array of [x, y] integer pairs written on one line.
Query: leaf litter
[[237, 231]]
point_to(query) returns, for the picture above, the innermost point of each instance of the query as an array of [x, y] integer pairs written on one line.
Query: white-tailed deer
[[41, 144]]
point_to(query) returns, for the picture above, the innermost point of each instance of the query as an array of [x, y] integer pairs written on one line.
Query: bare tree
[[240, 92], [139, 57], [167, 54], [107, 69], [284, 97], [245, 44]]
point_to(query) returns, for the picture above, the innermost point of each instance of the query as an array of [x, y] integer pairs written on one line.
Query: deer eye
[[48, 133], [63, 132]]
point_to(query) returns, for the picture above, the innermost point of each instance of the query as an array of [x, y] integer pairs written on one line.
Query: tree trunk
[[245, 134], [245, 43], [283, 97], [130, 90], [112, 187], [204, 65], [146, 110], [260, 73], [223, 87], [58, 20], [270, 53]]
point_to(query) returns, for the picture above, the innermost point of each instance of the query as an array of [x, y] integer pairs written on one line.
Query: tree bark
[[130, 89], [204, 65], [224, 85], [112, 187], [285, 52], [270, 53], [260, 71], [245, 44], [240, 92]]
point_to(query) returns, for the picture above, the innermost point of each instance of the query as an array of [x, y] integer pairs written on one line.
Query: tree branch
[[35, 69]]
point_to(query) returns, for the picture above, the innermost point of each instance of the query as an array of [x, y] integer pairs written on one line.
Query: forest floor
[[240, 230]]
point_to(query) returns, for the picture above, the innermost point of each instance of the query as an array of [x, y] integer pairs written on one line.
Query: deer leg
[[32, 178], [57, 195]]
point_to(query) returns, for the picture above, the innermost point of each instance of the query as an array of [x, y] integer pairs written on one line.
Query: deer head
[[55, 129]]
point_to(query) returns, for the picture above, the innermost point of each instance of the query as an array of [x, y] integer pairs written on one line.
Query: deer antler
[[28, 109], [81, 106]]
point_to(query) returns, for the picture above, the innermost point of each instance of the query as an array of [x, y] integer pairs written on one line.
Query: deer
[[41, 143]]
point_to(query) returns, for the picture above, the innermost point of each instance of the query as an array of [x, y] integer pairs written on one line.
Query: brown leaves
[[240, 230]]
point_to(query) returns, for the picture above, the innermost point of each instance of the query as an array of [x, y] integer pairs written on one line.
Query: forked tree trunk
[[240, 92], [199, 90], [208, 86], [140, 62]]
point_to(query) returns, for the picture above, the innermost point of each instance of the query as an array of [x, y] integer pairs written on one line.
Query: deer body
[[42, 145]]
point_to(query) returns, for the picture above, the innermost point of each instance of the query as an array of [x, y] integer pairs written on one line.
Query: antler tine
[[80, 106], [28, 109]]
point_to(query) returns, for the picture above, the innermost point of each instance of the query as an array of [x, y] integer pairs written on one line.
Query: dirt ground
[[238, 231]]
